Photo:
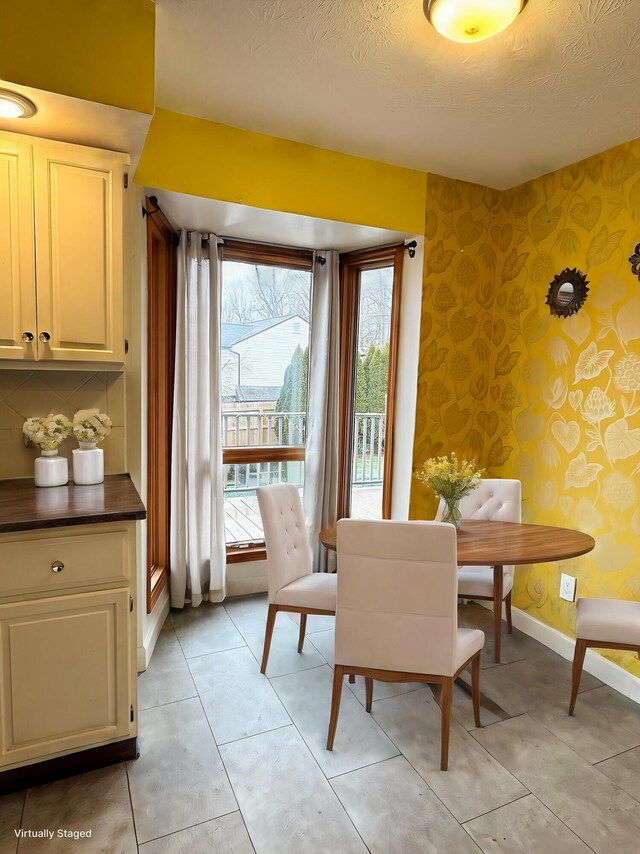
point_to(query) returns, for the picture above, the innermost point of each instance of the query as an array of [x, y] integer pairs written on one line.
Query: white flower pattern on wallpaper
[[626, 374], [591, 362], [621, 442], [555, 393], [575, 399], [567, 434], [619, 491], [598, 406], [580, 473], [563, 401]]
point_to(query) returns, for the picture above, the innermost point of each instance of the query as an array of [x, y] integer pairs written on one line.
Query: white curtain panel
[[321, 456], [198, 551]]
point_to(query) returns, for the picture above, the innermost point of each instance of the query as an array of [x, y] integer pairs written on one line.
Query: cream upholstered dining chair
[[603, 624], [292, 584], [495, 499], [396, 614]]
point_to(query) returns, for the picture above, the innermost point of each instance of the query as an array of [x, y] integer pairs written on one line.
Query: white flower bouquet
[[91, 426], [48, 431]]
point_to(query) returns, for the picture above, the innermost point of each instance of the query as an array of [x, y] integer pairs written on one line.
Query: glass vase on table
[[451, 479], [451, 512]]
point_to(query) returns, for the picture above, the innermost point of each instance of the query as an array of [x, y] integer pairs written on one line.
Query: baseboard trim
[[594, 663], [49, 770], [153, 626]]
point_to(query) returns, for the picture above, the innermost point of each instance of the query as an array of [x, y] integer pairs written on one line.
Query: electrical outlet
[[567, 587]]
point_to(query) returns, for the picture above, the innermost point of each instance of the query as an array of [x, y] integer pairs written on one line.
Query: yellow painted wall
[[98, 50], [203, 158], [562, 407]]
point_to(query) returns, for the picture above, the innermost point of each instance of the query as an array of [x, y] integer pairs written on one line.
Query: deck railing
[[368, 441], [242, 429]]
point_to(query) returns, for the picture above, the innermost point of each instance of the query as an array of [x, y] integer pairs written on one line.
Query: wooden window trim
[[161, 329], [245, 554], [263, 454], [266, 254], [351, 265], [248, 252]]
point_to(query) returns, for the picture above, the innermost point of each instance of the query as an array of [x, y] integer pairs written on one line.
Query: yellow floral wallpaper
[[562, 406], [463, 240]]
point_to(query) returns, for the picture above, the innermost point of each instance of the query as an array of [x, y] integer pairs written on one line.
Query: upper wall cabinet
[[68, 211], [17, 267]]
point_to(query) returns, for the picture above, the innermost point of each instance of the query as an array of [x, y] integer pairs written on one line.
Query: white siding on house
[[229, 373], [264, 357]]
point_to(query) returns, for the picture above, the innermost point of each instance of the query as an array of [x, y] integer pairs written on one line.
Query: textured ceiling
[[372, 78]]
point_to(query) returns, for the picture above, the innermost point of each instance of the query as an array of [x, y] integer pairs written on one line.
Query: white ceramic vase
[[51, 469], [88, 464]]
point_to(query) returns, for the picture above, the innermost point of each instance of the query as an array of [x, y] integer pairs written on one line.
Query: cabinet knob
[[44, 337], [57, 566], [27, 337]]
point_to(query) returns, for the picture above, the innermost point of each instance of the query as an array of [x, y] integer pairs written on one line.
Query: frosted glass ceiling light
[[472, 20], [14, 106]]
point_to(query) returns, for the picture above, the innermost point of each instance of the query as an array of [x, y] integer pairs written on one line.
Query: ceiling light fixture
[[14, 106], [472, 20]]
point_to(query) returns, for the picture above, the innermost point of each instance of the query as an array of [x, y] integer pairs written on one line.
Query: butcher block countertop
[[26, 507]]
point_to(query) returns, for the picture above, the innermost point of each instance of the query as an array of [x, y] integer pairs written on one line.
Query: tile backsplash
[[24, 394]]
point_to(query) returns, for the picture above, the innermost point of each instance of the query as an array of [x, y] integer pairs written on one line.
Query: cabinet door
[[64, 674], [17, 277], [79, 255]]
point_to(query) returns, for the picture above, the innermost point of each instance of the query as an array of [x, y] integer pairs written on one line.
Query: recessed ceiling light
[[472, 20], [14, 106]]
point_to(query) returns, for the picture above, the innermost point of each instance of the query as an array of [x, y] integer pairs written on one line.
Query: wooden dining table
[[500, 544]]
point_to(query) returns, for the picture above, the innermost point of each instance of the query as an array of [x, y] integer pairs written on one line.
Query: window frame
[[351, 265], [162, 243], [249, 252]]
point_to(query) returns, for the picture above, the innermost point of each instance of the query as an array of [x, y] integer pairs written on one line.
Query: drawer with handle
[[66, 559]]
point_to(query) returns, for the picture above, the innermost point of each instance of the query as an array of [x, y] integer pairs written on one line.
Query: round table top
[[482, 543]]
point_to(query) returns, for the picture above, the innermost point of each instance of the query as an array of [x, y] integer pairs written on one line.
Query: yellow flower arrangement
[[451, 479]]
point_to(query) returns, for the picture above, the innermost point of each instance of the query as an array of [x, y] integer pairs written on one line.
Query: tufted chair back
[[397, 596], [495, 499], [285, 535]]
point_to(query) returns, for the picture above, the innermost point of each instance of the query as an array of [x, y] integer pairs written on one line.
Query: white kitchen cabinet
[[67, 641], [65, 205], [17, 262]]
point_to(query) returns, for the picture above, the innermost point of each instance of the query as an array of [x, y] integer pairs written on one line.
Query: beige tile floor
[[233, 762]]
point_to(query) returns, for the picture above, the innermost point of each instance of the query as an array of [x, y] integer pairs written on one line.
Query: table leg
[[498, 579]]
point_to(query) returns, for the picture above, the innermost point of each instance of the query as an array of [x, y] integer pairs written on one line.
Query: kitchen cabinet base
[[27, 776]]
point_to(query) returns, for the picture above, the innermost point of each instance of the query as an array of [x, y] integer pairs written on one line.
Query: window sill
[[239, 555]]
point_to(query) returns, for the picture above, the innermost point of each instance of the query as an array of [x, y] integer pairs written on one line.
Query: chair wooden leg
[[578, 661], [498, 577], [447, 700], [507, 608], [368, 688], [352, 679], [271, 620], [475, 688], [303, 629], [338, 675]]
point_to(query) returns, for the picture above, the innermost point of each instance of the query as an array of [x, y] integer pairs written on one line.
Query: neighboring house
[[256, 355]]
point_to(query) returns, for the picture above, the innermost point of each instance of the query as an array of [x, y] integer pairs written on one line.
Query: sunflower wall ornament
[[635, 262], [567, 292]]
